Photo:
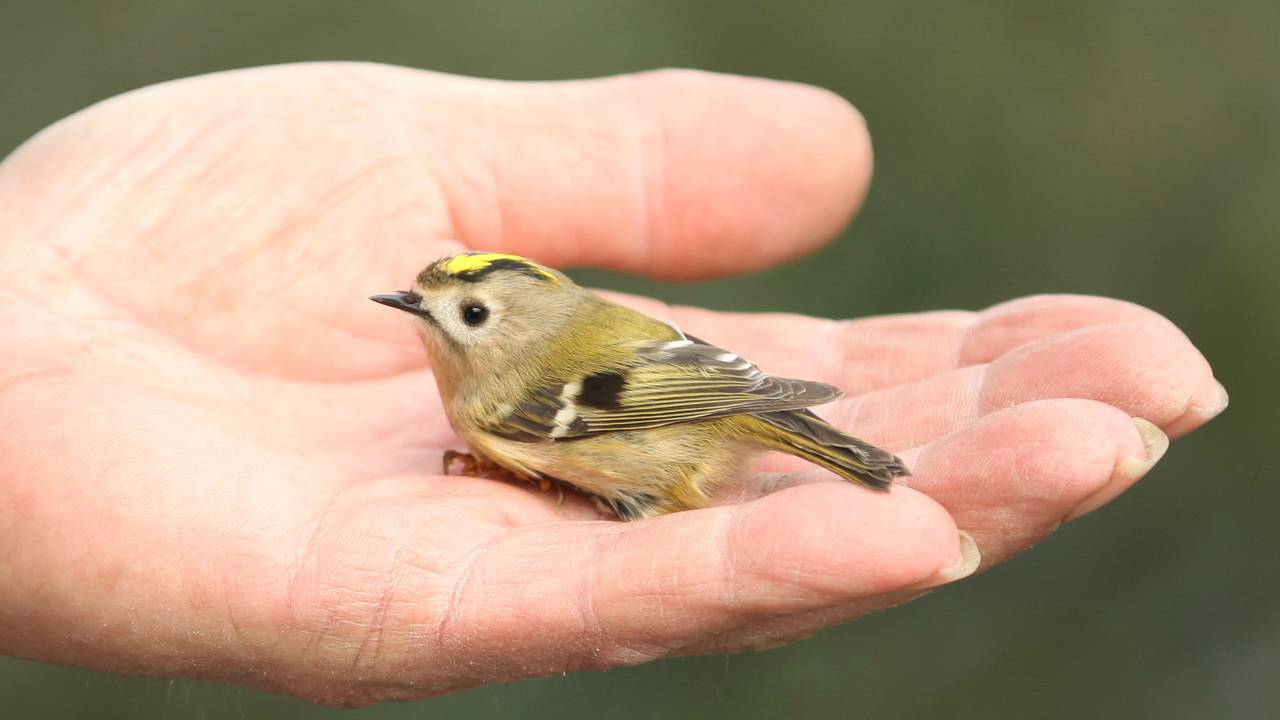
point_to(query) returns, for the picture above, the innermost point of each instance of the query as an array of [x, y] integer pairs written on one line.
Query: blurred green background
[[1123, 148]]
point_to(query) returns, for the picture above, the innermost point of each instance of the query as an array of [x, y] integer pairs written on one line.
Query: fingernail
[[1129, 470], [1199, 413], [1215, 406], [970, 559]]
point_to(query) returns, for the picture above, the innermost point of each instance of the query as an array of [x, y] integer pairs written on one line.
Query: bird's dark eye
[[474, 313]]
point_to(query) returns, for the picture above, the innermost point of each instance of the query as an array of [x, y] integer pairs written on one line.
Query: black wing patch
[[603, 391], [673, 382]]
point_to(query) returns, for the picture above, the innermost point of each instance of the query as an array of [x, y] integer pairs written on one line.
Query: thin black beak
[[405, 300]]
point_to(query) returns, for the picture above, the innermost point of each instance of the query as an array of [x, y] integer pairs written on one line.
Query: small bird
[[548, 380]]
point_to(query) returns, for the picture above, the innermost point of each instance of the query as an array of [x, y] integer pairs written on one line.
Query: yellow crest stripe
[[476, 262]]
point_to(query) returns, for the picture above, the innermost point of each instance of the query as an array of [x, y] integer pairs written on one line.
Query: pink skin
[[218, 459]]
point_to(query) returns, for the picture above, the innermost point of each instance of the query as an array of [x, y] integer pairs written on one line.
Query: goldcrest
[[550, 381]]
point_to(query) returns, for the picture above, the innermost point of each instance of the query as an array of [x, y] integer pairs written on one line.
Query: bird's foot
[[477, 466]]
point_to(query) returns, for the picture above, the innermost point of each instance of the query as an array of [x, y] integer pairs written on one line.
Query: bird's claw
[[476, 466]]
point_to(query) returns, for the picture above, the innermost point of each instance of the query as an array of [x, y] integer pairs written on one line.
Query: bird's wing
[[671, 382]]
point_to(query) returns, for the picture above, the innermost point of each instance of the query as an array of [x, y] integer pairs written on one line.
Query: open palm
[[218, 459]]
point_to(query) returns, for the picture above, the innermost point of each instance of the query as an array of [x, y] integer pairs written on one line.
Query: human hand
[[218, 459]]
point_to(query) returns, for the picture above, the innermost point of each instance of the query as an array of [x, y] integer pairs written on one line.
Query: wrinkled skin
[[218, 459]]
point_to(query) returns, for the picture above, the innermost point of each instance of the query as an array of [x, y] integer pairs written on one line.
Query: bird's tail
[[807, 436]]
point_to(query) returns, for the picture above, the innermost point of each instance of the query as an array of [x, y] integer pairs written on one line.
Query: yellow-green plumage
[[554, 381]]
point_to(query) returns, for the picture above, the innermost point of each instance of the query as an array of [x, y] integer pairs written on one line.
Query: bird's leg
[[480, 466], [470, 463]]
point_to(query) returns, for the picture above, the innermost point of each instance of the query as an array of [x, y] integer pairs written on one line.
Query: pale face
[[468, 315], [493, 324]]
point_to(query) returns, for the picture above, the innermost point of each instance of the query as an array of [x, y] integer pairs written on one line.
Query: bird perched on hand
[[549, 380]]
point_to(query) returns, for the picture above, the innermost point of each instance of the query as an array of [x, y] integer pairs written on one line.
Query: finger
[[1145, 370], [876, 352], [675, 174], [1012, 477], [573, 595], [1009, 479]]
